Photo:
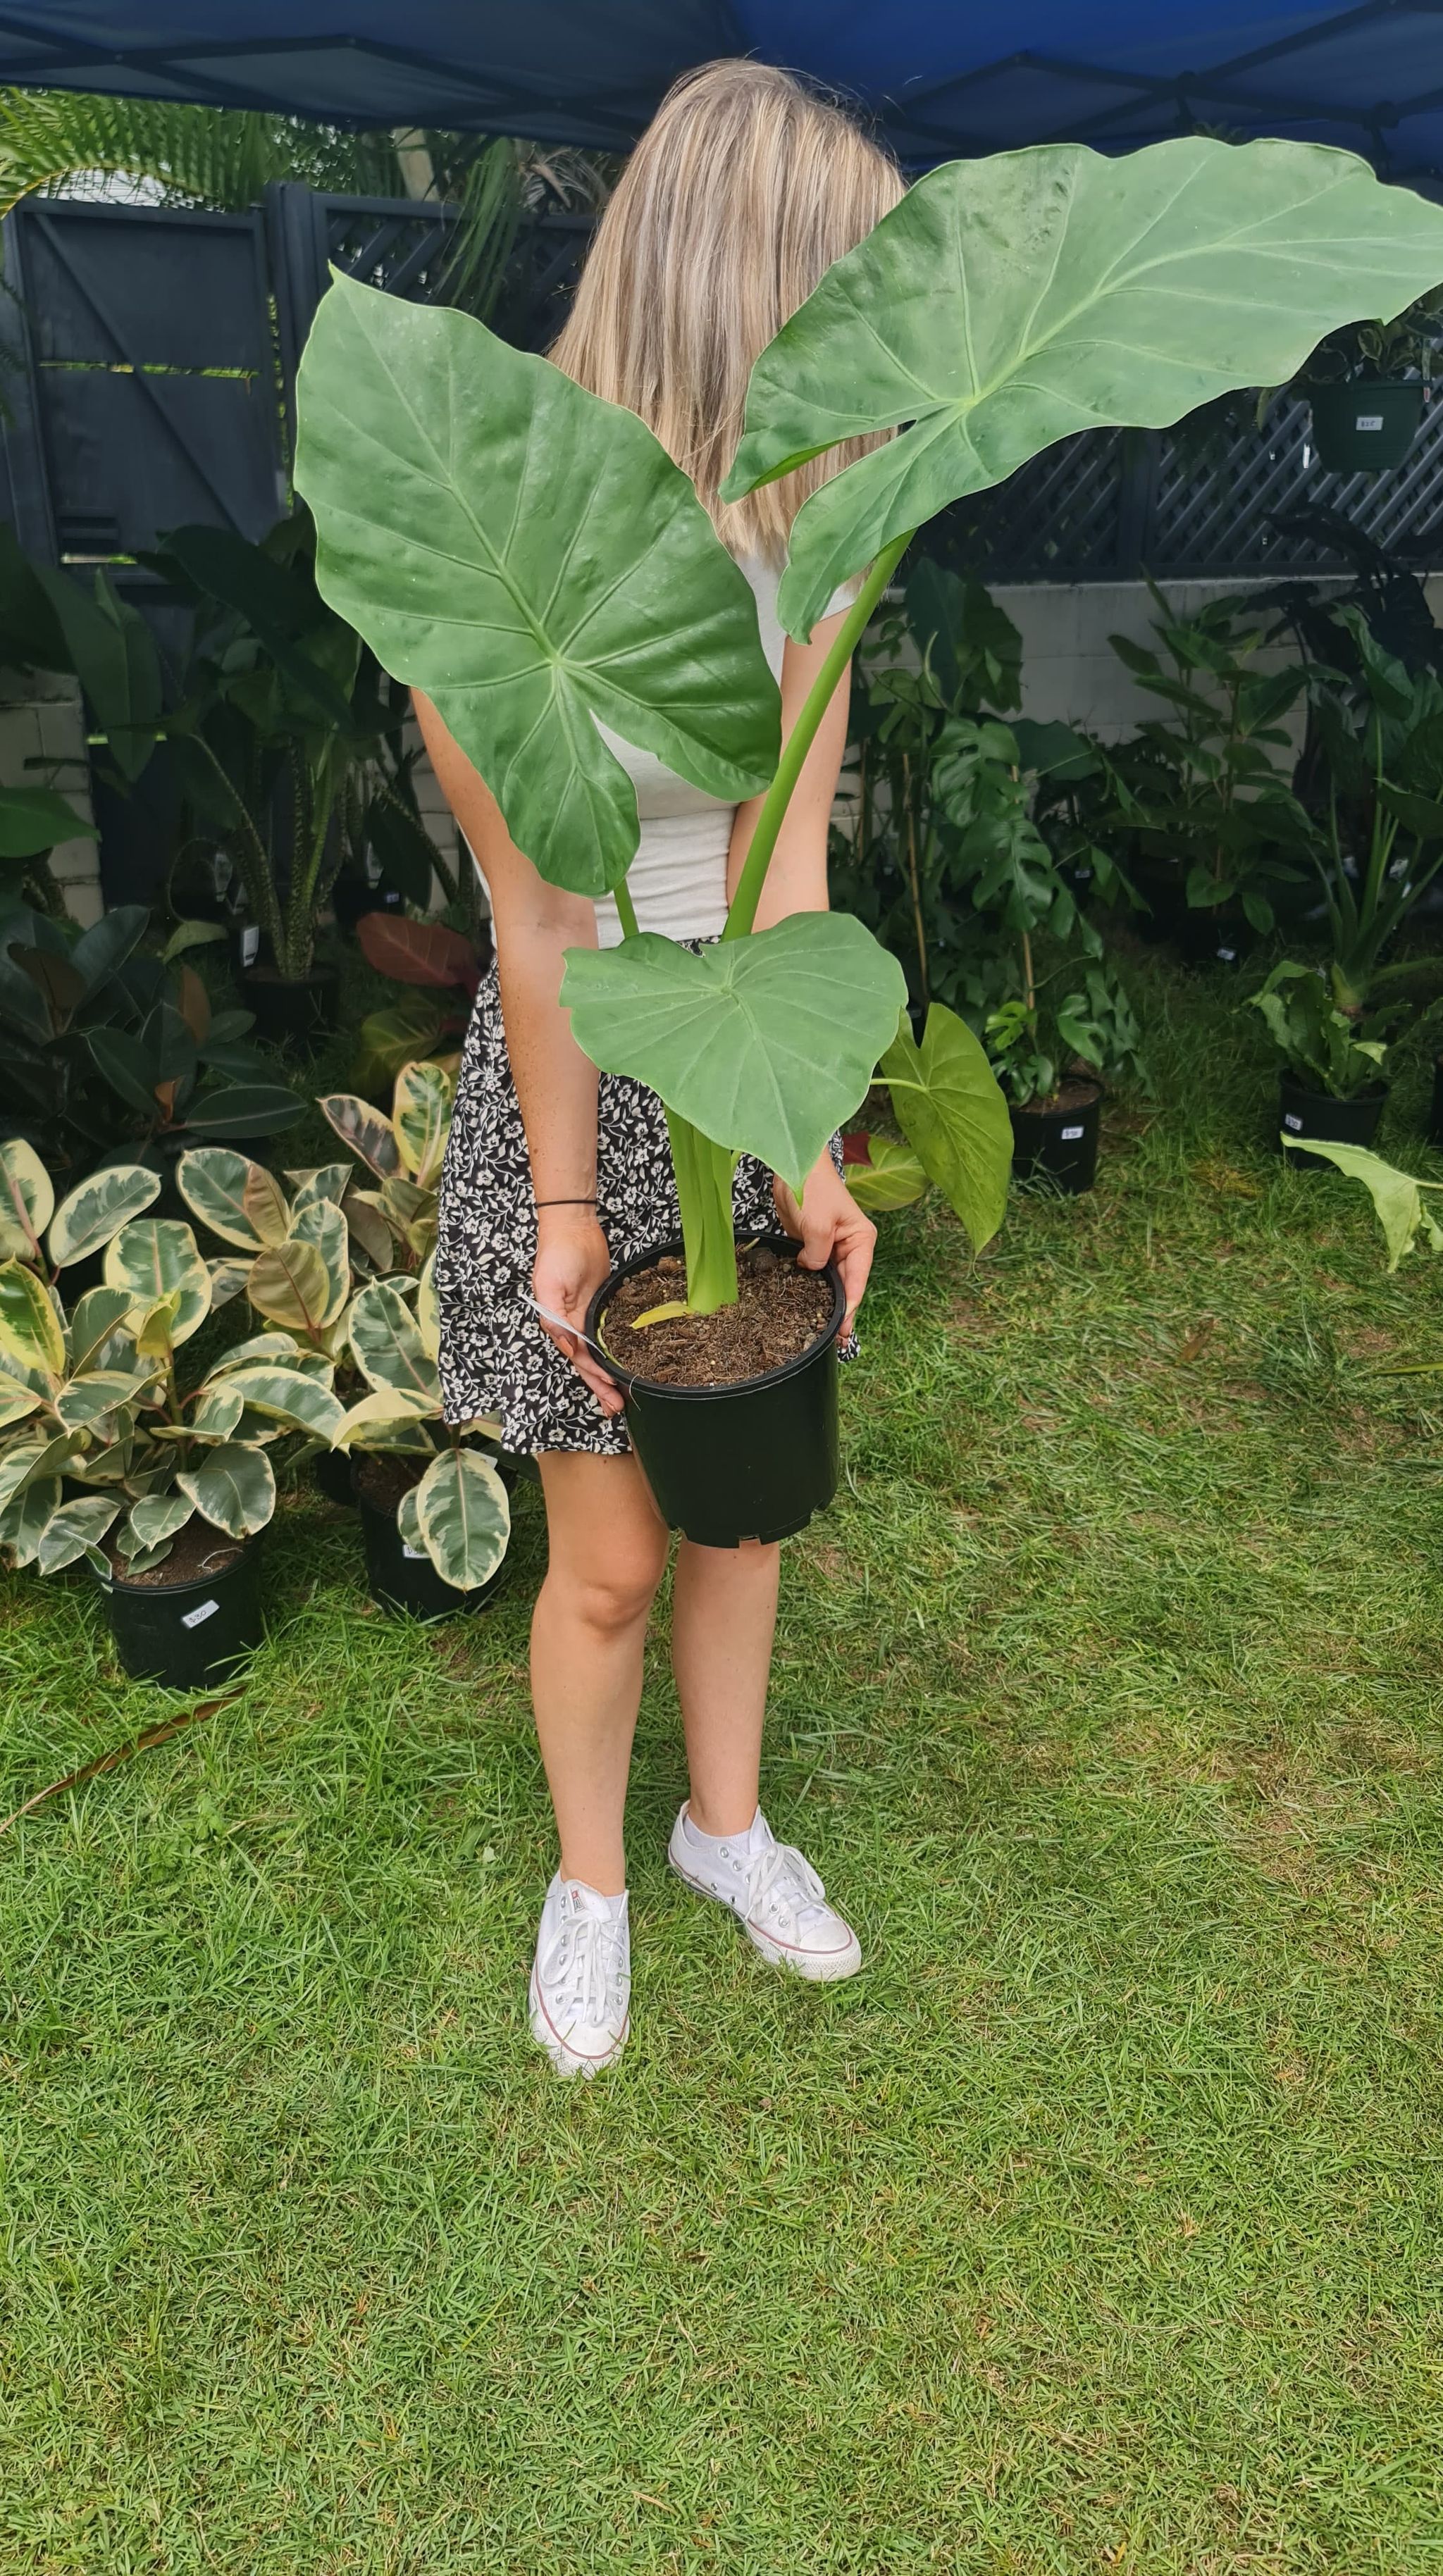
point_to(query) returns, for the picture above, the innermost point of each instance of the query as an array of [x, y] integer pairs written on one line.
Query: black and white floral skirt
[[495, 1356]]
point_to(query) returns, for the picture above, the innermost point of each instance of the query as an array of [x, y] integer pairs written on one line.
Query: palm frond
[[184, 155]]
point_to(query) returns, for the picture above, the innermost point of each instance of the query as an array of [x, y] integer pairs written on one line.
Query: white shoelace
[[779, 1877], [587, 1960]]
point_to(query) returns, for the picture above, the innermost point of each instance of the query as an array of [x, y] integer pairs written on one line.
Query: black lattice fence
[[1187, 504]]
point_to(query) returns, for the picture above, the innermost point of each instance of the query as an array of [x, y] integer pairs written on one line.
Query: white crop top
[[678, 878]]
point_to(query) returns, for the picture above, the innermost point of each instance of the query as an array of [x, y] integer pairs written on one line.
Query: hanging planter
[[755, 1458], [1365, 426], [1058, 1140]]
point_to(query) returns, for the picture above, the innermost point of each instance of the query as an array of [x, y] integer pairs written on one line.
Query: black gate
[[148, 354]]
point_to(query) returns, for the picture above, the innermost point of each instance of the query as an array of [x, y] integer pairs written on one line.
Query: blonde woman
[[740, 195]]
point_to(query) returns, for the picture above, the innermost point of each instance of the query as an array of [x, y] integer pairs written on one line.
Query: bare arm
[[555, 1083], [828, 1222]]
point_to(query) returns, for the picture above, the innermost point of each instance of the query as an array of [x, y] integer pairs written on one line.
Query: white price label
[[1291, 1119], [1369, 420], [203, 1610], [1070, 1135], [250, 943]]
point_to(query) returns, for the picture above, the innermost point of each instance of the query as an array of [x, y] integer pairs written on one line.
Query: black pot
[[402, 1578], [301, 1014], [1359, 427], [1435, 1112], [331, 1473], [188, 1634], [1211, 935], [727, 1463], [1302, 1112], [1059, 1145]]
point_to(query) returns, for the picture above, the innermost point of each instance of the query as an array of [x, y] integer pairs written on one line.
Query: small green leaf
[[367, 1131], [323, 1224], [88, 1400], [29, 1327], [212, 1181], [288, 1396], [291, 1285], [156, 1259], [74, 1530], [462, 1516], [421, 1116], [96, 1338], [92, 1214], [234, 1489], [153, 1522], [26, 1200], [387, 1346], [891, 1177], [947, 1103], [765, 1044], [386, 1419]]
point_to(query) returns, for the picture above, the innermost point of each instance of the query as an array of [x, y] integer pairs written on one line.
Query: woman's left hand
[[830, 1226]]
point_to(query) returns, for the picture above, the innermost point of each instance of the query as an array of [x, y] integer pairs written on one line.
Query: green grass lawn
[[1096, 2225]]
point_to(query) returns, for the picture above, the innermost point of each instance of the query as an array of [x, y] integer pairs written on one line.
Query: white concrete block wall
[[41, 719]]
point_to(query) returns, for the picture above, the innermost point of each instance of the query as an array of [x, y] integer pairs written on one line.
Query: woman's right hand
[[572, 1260]]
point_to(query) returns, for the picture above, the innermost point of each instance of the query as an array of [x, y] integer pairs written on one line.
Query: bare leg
[[724, 1611], [607, 1551]]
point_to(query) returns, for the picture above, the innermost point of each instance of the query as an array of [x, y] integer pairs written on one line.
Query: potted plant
[[1380, 842], [1218, 828], [1367, 385], [404, 1152], [435, 1518], [1331, 1086], [175, 1483], [289, 754], [532, 558], [1050, 1052]]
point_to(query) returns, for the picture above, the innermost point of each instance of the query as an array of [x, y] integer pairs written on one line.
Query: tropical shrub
[[405, 1153], [1380, 732], [304, 1250], [98, 1398], [458, 1510], [533, 559], [1323, 1045]]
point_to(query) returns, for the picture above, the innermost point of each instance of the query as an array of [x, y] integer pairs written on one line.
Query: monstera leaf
[[764, 1044], [529, 556], [949, 1108], [1006, 303]]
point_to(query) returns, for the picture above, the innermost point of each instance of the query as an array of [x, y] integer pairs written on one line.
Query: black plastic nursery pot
[[300, 1014], [191, 1633], [1059, 1144], [1360, 427], [1302, 1112], [403, 1578], [331, 1474], [757, 1460]]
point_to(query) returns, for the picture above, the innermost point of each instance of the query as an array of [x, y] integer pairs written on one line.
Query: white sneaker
[[777, 1894], [581, 1980]]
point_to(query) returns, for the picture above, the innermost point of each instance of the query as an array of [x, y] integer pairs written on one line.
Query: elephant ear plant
[[529, 555]]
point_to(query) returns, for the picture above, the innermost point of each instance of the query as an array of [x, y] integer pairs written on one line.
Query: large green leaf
[[531, 557], [26, 1200], [387, 1419], [156, 1259], [91, 1214], [29, 1326], [1006, 303], [97, 1338], [153, 1522], [212, 1181], [765, 1044], [17, 1400], [27, 1517], [234, 1488], [460, 1514], [387, 1346], [949, 1108], [114, 655], [33, 819], [89, 1400], [245, 1109]]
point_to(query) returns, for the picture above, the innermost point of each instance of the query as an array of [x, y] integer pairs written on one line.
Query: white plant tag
[[413, 1555], [1369, 420], [1070, 1135], [1291, 1119], [250, 943], [202, 1610], [1229, 956]]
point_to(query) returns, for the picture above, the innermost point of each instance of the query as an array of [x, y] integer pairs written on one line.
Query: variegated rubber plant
[[405, 1152], [97, 1398], [532, 558], [458, 1512], [304, 1250]]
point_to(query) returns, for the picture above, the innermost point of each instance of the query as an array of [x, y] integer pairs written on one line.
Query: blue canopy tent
[[1113, 73]]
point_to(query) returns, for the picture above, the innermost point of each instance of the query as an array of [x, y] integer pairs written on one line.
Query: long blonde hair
[[742, 191]]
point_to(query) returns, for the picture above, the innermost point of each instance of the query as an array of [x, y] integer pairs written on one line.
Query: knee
[[612, 1598]]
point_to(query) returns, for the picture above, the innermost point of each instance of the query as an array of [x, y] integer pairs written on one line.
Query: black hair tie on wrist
[[587, 1202]]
